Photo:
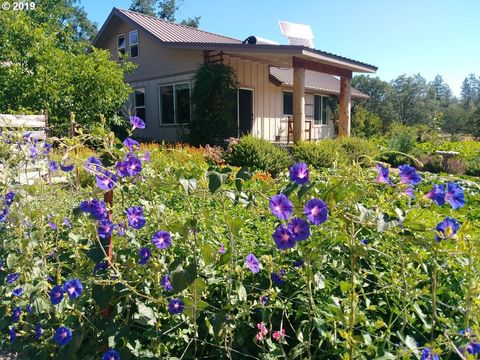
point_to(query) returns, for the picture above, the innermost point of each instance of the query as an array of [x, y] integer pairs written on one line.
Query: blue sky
[[399, 37]]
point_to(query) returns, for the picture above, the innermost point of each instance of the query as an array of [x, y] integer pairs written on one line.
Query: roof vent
[[297, 34], [251, 40]]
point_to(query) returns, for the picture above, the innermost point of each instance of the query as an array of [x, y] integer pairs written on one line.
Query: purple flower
[[29, 309], [110, 355], [98, 209], [277, 277], [364, 242], [467, 332], [473, 348], [86, 206], [437, 194], [38, 331], [13, 334], [16, 314], [298, 263], [221, 250], [137, 123], [134, 165], [46, 148], [51, 224], [428, 355], [102, 265], [175, 306], [252, 263], [131, 144], [4, 214], [135, 217], [9, 198], [299, 173], [66, 168], [106, 180], [33, 152], [408, 175], [56, 294], [408, 191], [143, 255], [281, 207], [52, 166], [67, 222], [455, 196], [447, 229], [122, 168], [162, 240], [383, 175], [93, 165], [13, 277], [120, 229], [264, 300], [316, 211], [146, 157], [105, 228], [299, 228], [166, 282], [73, 288], [283, 238], [62, 336], [17, 292]]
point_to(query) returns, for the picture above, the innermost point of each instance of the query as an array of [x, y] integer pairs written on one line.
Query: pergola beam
[[345, 106], [298, 103], [323, 68]]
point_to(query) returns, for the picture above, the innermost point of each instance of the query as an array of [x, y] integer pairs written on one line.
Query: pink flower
[[277, 335], [259, 337], [262, 329]]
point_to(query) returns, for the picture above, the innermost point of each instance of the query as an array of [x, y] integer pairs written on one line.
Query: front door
[[245, 111]]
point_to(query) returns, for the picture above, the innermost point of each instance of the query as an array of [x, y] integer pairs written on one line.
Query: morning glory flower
[[298, 263], [277, 277], [106, 180], [316, 211], [252, 263], [383, 175], [73, 288], [16, 314], [447, 229], [98, 209], [131, 144], [134, 165], [455, 196], [473, 348], [264, 300], [408, 175], [33, 152], [105, 228], [62, 336], [146, 157], [29, 309], [166, 282], [143, 255], [299, 228], [120, 229], [66, 168], [93, 165], [281, 207], [162, 240], [299, 173], [175, 306], [4, 214], [466, 332], [283, 238], [67, 222], [437, 194], [12, 334], [17, 292], [137, 123], [52, 166], [135, 217], [428, 355], [46, 148], [38, 331], [9, 198], [110, 355], [13, 277], [408, 191], [51, 224], [102, 265], [56, 294], [122, 168]]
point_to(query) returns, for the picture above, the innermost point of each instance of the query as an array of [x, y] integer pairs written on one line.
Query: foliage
[[214, 116], [365, 123], [167, 10], [259, 154], [325, 153], [358, 150], [146, 7]]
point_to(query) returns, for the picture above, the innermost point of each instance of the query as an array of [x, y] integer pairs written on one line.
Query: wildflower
[[29, 309], [134, 165], [13, 334], [221, 250], [120, 229], [383, 175], [278, 335], [73, 288], [52, 166], [110, 355], [98, 209], [131, 144], [166, 282], [299, 228], [102, 265], [264, 300], [281, 207], [364, 242], [283, 238], [93, 165], [455, 196], [16, 313], [38, 331], [122, 168], [277, 277], [428, 355], [86, 206], [33, 152], [408, 175], [17, 292], [137, 123], [67, 222], [46, 148], [135, 217], [13, 277], [447, 229], [466, 332], [9, 198], [106, 180], [146, 157], [316, 211], [299, 173], [437, 194], [175, 306], [56, 294], [63, 335], [162, 240], [66, 168], [4, 214], [262, 331], [51, 224], [408, 191], [105, 228], [298, 263], [252, 263], [473, 348], [143, 255]]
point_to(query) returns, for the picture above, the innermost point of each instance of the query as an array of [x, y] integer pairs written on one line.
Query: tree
[[443, 93], [408, 100], [470, 93], [167, 10], [146, 7]]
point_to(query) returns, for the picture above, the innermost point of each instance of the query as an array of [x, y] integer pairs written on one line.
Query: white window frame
[[130, 44], [174, 103], [323, 122], [124, 44], [144, 106]]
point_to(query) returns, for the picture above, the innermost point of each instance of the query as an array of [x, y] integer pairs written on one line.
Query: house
[[276, 82]]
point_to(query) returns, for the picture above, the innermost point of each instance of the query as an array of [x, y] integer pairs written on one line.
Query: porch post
[[298, 102], [345, 106]]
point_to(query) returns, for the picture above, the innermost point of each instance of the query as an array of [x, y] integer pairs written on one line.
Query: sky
[[428, 37]]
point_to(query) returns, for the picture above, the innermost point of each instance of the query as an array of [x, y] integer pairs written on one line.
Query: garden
[[337, 250]]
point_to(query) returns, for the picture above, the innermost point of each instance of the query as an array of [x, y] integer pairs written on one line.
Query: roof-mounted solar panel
[[297, 34]]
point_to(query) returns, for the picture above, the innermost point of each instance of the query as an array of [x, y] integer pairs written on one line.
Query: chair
[[308, 129]]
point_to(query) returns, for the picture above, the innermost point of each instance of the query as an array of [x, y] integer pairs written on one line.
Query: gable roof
[[321, 82]]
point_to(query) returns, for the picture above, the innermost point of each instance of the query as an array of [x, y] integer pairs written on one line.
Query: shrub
[[456, 166], [473, 166], [325, 153], [432, 163], [259, 154], [357, 148]]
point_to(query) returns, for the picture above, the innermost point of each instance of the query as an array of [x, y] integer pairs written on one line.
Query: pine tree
[[146, 7]]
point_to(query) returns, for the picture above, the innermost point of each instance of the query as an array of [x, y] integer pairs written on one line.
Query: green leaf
[[12, 260], [319, 281], [145, 315], [182, 278], [345, 286], [189, 184], [214, 181], [102, 295], [242, 293]]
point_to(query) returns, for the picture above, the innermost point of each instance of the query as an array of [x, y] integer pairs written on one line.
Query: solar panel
[[297, 34]]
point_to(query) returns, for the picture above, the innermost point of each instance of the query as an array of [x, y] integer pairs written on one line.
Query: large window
[[175, 103], [133, 43], [287, 103], [320, 110], [121, 44], [139, 103]]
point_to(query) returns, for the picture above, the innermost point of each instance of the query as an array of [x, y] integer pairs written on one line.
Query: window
[[287, 103], [175, 103], [121, 44], [139, 103], [320, 110], [133, 43]]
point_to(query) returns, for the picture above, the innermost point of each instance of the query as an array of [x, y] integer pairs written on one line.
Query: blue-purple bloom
[[13, 277], [264, 300], [52, 166], [175, 306], [110, 355], [447, 229], [105, 228], [102, 265], [162, 240], [62, 336], [134, 165], [166, 282], [96, 208], [428, 355], [29, 309], [38, 331], [73, 288], [106, 180], [66, 168], [137, 123], [46, 148], [277, 277], [93, 165], [4, 214], [17, 292], [299, 173], [33, 152], [144, 255], [252, 263], [299, 228], [408, 191], [56, 294], [281, 207], [437, 194], [316, 211], [51, 224], [383, 175], [455, 196], [122, 168], [16, 314], [473, 348], [135, 217], [9, 198], [298, 263], [283, 238], [67, 222], [408, 175], [131, 144], [12, 333]]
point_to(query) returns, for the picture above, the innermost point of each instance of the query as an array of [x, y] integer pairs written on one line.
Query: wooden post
[[298, 102], [344, 111]]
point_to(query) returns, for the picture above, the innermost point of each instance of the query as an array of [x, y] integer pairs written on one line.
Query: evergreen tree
[[469, 94], [146, 7], [443, 93]]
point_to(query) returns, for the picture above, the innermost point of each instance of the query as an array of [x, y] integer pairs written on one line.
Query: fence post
[[73, 133]]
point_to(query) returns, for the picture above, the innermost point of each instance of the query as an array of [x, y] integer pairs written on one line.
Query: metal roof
[[321, 82]]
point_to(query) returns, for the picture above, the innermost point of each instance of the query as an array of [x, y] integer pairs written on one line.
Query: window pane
[[134, 51], [139, 97], [133, 38], [140, 112], [287, 103], [121, 41], [317, 106], [166, 103], [324, 111], [182, 99]]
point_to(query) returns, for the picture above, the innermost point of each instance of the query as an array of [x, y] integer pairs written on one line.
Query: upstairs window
[[133, 43], [139, 103], [287, 103], [121, 46], [320, 110]]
